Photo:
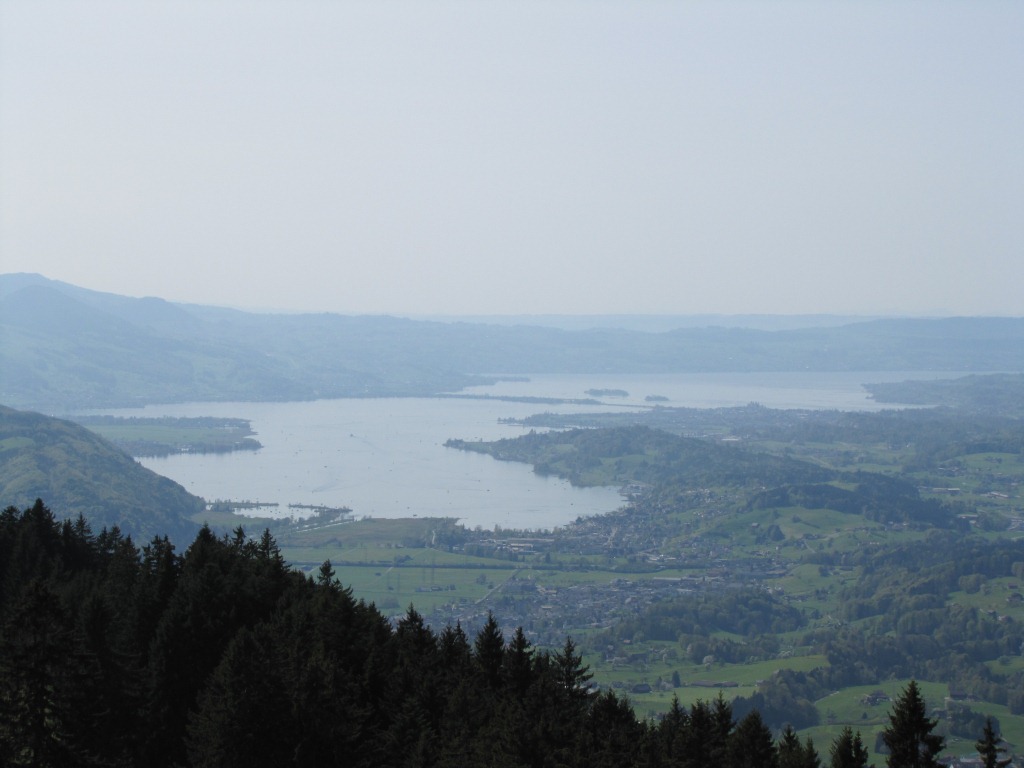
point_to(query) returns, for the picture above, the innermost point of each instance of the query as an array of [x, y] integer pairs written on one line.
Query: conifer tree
[[751, 744], [572, 674], [721, 729], [611, 736], [796, 754], [671, 734], [158, 578], [909, 736], [518, 664], [989, 747], [490, 650], [848, 750], [790, 749], [453, 646], [706, 734], [325, 576], [242, 717], [36, 704]]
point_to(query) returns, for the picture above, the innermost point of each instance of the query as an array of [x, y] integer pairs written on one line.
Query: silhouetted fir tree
[[572, 675], [461, 721], [458, 707], [187, 645], [78, 545], [611, 735], [415, 648], [217, 593], [454, 650], [668, 743], [848, 750], [116, 698], [539, 728], [811, 757], [158, 578], [720, 731], [335, 661], [33, 551], [37, 705], [796, 754], [909, 735], [685, 738], [751, 744], [243, 717], [703, 738], [517, 665], [325, 576], [489, 652], [269, 562], [551, 716], [335, 724], [789, 748], [414, 703], [990, 747], [10, 520], [121, 568]]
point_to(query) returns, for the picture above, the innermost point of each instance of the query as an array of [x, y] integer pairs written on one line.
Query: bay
[[385, 457]]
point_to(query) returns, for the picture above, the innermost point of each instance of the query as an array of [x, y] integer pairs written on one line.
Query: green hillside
[[64, 349], [42, 457]]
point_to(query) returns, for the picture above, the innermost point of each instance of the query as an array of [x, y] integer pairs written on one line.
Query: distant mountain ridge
[[64, 349], [78, 472]]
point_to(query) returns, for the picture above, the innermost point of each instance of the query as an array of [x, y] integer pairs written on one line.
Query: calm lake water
[[385, 457]]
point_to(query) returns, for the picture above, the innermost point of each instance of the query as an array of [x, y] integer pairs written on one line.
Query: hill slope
[[64, 348], [80, 473]]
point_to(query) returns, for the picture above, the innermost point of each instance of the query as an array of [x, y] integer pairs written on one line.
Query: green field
[[163, 436]]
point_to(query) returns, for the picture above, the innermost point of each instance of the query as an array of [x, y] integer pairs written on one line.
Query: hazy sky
[[519, 157]]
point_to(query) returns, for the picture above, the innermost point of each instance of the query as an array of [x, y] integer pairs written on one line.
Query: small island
[[655, 399], [607, 393]]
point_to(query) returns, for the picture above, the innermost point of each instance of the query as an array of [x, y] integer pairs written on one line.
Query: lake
[[384, 457]]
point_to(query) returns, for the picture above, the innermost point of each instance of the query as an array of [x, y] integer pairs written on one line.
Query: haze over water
[[384, 457]]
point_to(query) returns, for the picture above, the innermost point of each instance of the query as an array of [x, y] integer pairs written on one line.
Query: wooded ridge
[[66, 348]]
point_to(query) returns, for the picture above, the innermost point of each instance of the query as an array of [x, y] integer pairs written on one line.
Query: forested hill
[[675, 472], [223, 656], [42, 457], [64, 348]]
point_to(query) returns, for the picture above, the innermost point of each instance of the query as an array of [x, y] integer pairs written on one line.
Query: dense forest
[[115, 655]]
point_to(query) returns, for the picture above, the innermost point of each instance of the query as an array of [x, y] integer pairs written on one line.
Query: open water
[[385, 457]]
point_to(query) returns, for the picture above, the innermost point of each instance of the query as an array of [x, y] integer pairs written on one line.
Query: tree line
[[116, 655]]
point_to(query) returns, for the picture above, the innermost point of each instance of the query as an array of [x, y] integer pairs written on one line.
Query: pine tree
[[989, 747], [611, 736], [848, 750], [721, 730], [704, 736], [453, 647], [751, 744], [517, 667], [572, 674], [36, 682], [490, 651], [325, 576], [796, 754], [242, 718], [790, 749], [909, 736]]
